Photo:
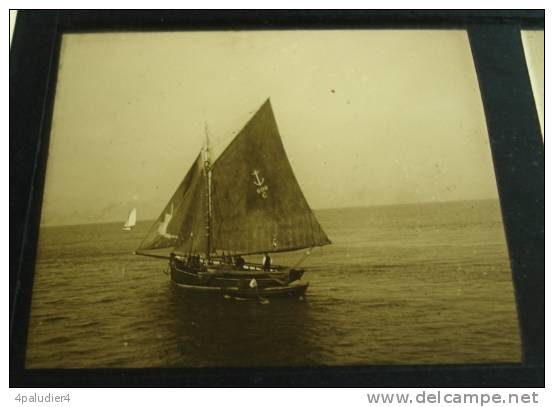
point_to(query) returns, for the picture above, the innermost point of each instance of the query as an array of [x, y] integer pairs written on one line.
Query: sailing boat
[[246, 202], [131, 220]]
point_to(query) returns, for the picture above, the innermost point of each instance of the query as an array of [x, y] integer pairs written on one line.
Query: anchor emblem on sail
[[259, 182], [162, 229]]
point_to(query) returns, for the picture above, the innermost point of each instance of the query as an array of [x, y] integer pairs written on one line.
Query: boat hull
[[295, 290], [245, 283], [227, 278]]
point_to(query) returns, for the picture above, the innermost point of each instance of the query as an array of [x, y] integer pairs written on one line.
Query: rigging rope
[[308, 252]]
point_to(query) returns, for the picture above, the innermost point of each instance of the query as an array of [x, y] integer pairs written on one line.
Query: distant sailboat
[[245, 202], [131, 220]]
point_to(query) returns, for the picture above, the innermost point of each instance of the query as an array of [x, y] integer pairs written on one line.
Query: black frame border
[[516, 144]]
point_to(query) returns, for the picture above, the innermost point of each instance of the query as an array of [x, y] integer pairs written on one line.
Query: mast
[[208, 173]]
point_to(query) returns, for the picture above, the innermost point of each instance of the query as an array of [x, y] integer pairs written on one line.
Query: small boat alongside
[[247, 202]]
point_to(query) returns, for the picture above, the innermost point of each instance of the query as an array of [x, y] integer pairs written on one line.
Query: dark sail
[[181, 223], [257, 204]]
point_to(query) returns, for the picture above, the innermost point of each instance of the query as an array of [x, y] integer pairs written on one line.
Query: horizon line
[[313, 209]]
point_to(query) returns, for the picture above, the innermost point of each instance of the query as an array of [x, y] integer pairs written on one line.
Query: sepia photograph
[[264, 198]]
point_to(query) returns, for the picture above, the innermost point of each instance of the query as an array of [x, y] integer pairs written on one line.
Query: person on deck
[[172, 259], [239, 262], [266, 262]]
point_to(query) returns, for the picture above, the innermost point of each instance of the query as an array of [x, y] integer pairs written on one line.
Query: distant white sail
[[131, 220]]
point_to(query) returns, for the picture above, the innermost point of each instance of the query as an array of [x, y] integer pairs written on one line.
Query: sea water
[[404, 284]]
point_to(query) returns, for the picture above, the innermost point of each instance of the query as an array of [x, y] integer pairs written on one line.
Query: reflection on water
[[401, 284], [232, 332]]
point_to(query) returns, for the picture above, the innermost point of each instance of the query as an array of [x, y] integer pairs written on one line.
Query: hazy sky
[[367, 117]]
